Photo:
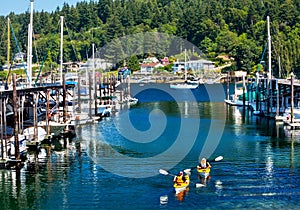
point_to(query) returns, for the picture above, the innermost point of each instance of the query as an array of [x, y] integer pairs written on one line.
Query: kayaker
[[179, 179], [203, 164]]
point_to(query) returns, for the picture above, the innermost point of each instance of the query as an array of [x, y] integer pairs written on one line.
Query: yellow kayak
[[203, 172], [179, 187]]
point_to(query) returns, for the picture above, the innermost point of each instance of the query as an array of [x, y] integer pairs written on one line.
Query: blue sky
[[21, 6]]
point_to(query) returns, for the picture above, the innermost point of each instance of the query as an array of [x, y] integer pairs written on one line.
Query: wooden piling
[[16, 126], [48, 114], [95, 95], [64, 99], [1, 123], [90, 95]]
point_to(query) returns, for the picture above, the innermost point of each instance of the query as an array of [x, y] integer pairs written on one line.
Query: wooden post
[[90, 95], [57, 105], [4, 125], [1, 123], [228, 83], [64, 99], [16, 126], [48, 114], [35, 102], [244, 95], [128, 77], [114, 83], [257, 91], [79, 95], [100, 89], [95, 95], [277, 98]]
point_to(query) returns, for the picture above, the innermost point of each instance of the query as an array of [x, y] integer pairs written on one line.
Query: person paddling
[[179, 179], [203, 164], [203, 168]]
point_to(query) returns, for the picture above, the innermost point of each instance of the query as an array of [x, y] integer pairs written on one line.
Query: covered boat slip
[[274, 98], [24, 114]]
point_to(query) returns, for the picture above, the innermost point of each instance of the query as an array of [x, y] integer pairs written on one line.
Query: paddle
[[219, 158], [164, 172]]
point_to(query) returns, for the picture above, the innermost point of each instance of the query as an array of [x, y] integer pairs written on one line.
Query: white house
[[148, 68], [194, 65], [99, 64]]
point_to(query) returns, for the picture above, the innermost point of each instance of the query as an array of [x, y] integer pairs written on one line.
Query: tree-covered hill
[[234, 28]]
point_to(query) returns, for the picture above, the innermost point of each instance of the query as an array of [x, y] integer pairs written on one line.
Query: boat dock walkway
[[275, 98]]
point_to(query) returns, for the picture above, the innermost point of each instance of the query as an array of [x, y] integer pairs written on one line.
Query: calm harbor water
[[168, 129]]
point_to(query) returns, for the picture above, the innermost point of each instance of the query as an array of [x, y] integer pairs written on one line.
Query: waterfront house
[[149, 64], [99, 64], [148, 68], [180, 66]]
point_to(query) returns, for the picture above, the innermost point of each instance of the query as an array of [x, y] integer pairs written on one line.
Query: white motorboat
[[183, 86]]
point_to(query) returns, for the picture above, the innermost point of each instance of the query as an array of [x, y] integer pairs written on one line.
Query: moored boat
[[183, 86]]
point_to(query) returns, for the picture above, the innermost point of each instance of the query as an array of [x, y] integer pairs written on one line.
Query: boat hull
[[184, 86], [179, 187], [204, 172]]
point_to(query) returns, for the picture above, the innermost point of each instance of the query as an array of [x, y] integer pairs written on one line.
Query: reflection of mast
[[292, 150], [186, 107]]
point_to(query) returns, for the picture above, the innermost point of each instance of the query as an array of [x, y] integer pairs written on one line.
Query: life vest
[[201, 166], [179, 179]]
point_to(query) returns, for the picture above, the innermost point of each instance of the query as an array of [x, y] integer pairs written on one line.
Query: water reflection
[[269, 166], [260, 169], [180, 196]]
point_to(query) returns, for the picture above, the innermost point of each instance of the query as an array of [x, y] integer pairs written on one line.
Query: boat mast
[[185, 70], [94, 80], [61, 48], [29, 53], [269, 89], [269, 44], [8, 44]]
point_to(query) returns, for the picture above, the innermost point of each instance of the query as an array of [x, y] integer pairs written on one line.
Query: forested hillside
[[234, 28]]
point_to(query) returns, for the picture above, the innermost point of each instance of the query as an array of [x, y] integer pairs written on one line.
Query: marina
[[148, 121], [65, 179]]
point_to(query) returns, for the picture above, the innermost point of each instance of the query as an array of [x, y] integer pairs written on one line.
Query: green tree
[[133, 63]]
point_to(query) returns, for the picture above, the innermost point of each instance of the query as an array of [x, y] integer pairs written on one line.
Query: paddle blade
[[187, 171], [162, 171], [199, 185], [219, 158]]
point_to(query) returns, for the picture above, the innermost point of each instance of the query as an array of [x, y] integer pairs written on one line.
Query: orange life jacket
[[179, 179]]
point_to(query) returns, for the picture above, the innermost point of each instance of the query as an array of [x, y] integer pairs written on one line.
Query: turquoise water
[[168, 129]]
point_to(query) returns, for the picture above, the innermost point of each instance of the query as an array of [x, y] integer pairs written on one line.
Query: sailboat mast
[[269, 46], [185, 70], [8, 44], [61, 48], [30, 32], [270, 94]]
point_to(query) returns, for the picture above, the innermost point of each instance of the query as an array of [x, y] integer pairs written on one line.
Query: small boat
[[203, 172], [179, 187], [183, 86]]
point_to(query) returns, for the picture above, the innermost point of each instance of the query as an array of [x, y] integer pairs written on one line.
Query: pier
[[33, 115], [275, 98]]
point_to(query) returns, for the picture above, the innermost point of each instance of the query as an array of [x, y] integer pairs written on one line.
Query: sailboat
[[186, 84]]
